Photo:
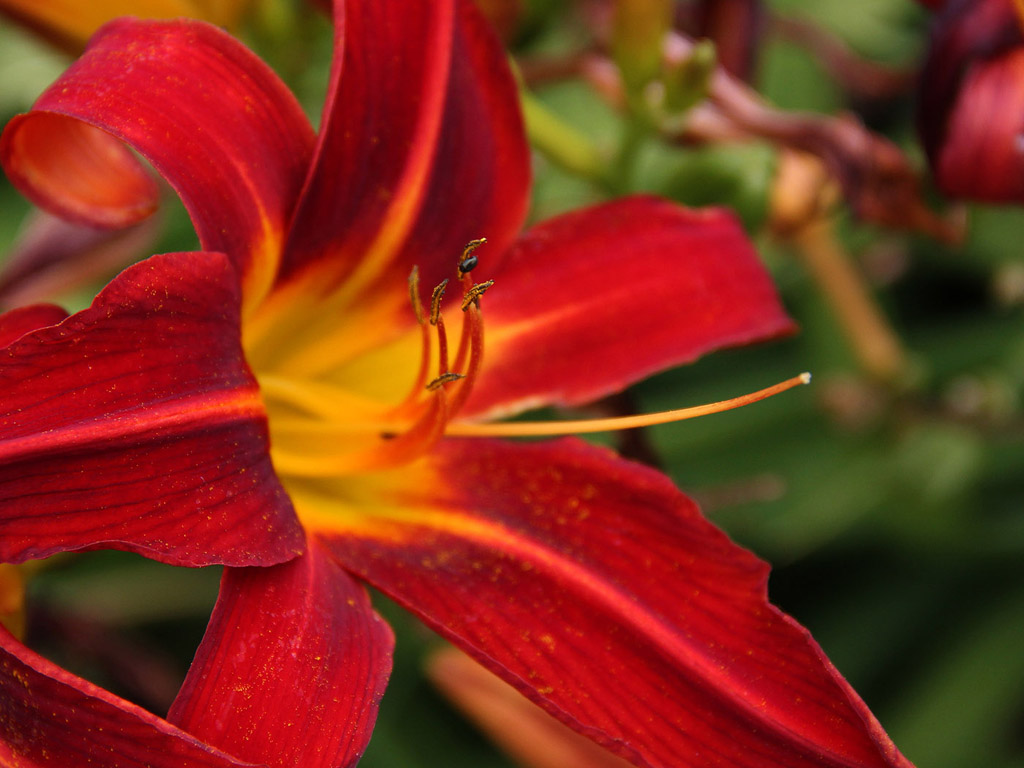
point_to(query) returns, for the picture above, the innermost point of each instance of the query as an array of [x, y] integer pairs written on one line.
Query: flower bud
[[971, 107]]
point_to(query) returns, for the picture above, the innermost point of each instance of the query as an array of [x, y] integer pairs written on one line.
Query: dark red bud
[[735, 26], [971, 108]]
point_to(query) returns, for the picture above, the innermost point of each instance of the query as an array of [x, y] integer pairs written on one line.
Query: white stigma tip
[[805, 377]]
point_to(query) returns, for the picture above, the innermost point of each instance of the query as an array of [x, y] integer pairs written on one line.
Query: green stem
[[564, 145], [634, 132]]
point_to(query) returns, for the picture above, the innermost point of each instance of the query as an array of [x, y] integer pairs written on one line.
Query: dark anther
[[473, 294], [444, 378], [468, 261]]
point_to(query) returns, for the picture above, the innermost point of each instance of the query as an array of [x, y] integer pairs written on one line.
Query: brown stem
[[877, 347], [861, 76]]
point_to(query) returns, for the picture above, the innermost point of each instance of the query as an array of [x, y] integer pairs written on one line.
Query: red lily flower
[[148, 421]]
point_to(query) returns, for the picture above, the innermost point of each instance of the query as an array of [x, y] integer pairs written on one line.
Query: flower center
[[321, 430]]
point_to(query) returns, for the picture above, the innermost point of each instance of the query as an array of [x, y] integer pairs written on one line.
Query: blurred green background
[[891, 513]]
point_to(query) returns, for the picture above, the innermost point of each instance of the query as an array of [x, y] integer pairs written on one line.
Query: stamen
[[395, 435], [586, 426], [438, 321], [475, 324], [419, 382], [468, 261], [435, 301], [465, 337], [444, 378], [442, 348], [414, 294], [472, 296]]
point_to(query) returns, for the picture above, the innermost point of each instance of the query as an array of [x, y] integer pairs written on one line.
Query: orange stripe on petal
[[188, 413], [422, 151], [618, 607], [380, 129], [407, 199]]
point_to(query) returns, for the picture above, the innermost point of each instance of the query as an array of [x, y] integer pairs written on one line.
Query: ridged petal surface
[[136, 424], [599, 590], [292, 667], [51, 719]]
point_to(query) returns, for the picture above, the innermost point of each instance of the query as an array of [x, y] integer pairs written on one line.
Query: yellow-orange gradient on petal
[[385, 398]]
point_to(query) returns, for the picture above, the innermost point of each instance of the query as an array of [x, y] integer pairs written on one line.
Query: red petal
[[981, 157], [962, 34], [211, 117], [18, 322], [135, 424], [49, 717], [970, 97], [76, 170], [592, 301], [596, 588], [292, 667], [422, 147]]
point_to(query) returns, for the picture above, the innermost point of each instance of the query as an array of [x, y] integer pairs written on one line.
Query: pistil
[[590, 426]]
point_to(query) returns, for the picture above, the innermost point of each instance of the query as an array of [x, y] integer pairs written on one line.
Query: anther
[[414, 294], [468, 261], [473, 294], [435, 301], [444, 378]]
